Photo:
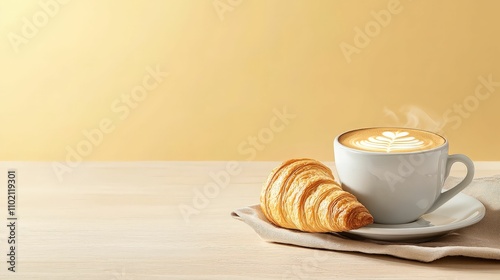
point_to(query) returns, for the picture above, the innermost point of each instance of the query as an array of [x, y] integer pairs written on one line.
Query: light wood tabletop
[[171, 220]]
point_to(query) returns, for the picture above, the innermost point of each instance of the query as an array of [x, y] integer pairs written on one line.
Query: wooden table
[[121, 221]]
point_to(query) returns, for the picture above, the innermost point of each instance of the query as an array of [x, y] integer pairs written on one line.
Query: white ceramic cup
[[399, 187]]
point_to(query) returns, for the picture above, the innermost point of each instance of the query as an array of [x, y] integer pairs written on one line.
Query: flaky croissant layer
[[302, 194]]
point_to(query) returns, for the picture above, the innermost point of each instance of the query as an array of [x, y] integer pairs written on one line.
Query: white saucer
[[459, 212]]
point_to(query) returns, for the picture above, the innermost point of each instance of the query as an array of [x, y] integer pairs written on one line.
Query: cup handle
[[447, 195]]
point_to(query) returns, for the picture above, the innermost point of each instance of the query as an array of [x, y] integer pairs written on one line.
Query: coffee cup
[[397, 173]]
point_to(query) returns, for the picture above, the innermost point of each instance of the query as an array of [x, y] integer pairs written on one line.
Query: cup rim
[[340, 145]]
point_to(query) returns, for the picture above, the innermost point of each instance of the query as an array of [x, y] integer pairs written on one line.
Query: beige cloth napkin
[[481, 240]]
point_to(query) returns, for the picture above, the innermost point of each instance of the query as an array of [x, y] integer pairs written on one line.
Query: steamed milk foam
[[391, 140]]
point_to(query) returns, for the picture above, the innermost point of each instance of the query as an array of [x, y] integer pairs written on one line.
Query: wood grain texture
[[120, 221]]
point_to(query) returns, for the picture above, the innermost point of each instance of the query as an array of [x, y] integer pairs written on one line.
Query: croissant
[[302, 194]]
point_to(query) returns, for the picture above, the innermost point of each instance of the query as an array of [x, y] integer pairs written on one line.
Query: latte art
[[391, 140]]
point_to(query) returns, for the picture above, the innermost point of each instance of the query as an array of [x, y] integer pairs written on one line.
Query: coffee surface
[[391, 140]]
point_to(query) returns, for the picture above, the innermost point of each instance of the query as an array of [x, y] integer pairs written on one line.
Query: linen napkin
[[481, 240]]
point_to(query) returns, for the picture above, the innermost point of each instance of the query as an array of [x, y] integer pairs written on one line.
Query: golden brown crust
[[302, 194]]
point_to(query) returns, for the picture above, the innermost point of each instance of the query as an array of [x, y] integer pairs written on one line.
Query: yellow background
[[232, 64]]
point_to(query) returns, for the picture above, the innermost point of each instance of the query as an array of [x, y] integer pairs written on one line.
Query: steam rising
[[415, 117]]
